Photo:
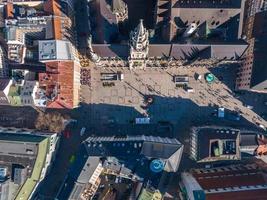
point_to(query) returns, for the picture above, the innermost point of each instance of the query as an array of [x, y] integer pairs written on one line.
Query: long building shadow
[[17, 116], [227, 75], [173, 115], [169, 117], [174, 119]]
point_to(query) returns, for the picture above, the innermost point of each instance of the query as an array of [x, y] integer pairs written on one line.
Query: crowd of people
[[85, 77]]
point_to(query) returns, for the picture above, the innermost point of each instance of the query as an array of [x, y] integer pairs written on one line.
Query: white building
[[28, 92], [55, 50]]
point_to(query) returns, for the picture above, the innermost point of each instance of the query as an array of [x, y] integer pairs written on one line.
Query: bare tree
[[52, 121]]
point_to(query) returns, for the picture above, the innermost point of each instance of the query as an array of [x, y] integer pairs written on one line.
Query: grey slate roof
[[159, 50], [167, 149], [158, 150], [228, 51], [111, 50], [248, 140], [188, 51], [177, 51], [106, 12], [207, 134]]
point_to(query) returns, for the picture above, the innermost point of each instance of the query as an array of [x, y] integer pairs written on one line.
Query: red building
[[58, 83], [238, 182], [252, 74], [61, 80]]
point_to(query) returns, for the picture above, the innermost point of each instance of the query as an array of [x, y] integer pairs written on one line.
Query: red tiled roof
[[9, 10], [59, 74], [236, 180], [242, 195], [235, 176], [55, 104], [224, 173], [57, 28], [53, 7], [59, 104]]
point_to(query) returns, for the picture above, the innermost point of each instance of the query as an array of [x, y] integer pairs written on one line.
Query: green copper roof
[[210, 78], [14, 95], [28, 187]]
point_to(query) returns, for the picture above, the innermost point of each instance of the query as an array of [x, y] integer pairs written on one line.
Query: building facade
[[252, 73], [208, 144], [3, 64]]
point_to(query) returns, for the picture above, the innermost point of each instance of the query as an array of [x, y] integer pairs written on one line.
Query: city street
[[53, 181]]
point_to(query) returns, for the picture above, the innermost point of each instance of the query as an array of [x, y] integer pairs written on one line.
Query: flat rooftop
[[23, 147], [209, 139], [18, 149], [55, 50]]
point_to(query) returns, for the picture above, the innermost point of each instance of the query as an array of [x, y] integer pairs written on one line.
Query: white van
[[82, 131]]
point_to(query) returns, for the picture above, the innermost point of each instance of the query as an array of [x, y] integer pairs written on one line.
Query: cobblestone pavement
[[124, 102]]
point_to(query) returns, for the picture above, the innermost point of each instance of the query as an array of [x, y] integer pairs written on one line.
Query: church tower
[[138, 47]]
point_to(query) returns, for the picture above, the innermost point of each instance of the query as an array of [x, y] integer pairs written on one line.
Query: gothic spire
[[140, 30]]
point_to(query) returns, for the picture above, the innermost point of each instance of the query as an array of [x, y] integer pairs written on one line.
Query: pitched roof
[[166, 149], [188, 51], [148, 146], [3, 83], [159, 50], [177, 51], [111, 50], [228, 51]]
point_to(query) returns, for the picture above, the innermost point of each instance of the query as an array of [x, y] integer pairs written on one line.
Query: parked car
[[82, 131], [263, 127], [249, 107]]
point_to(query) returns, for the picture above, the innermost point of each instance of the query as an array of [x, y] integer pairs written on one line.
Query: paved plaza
[[122, 103]]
